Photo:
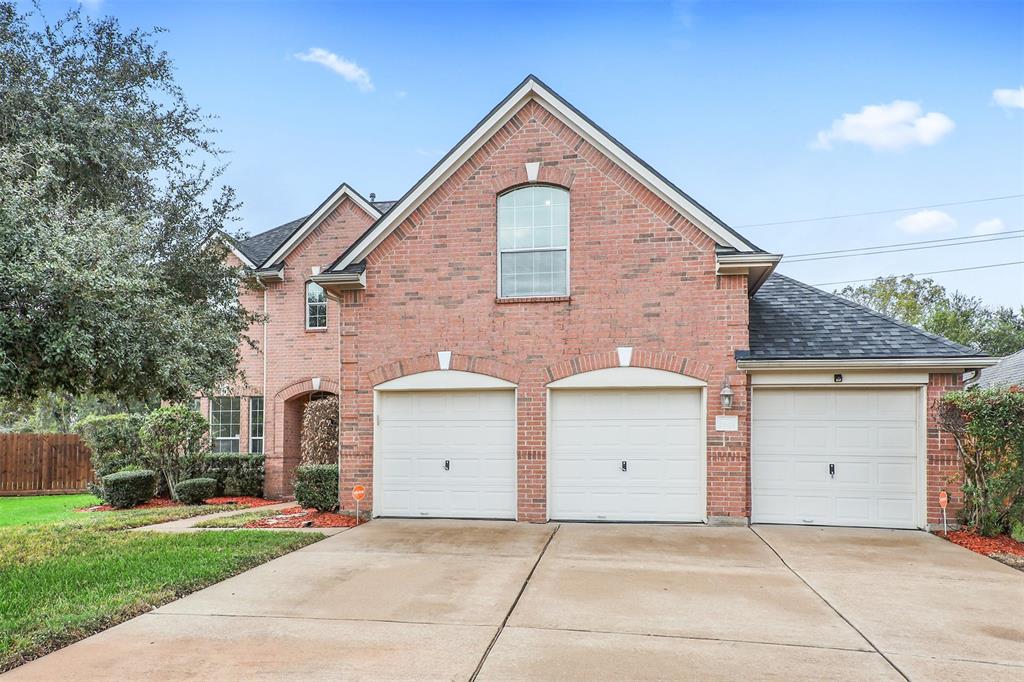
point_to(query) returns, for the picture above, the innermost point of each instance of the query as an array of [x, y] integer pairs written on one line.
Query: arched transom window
[[533, 242]]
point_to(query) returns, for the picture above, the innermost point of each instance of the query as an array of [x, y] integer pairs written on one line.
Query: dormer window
[[533, 242], [316, 306]]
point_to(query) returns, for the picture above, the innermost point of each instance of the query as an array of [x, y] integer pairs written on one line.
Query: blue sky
[[763, 112]]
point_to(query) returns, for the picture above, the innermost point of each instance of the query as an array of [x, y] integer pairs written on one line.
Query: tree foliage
[[174, 442], [319, 443], [988, 427], [110, 219], [113, 441], [957, 317]]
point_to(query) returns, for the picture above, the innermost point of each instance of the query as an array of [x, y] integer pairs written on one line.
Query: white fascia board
[[445, 380], [627, 377], [315, 218], [947, 364], [238, 254], [531, 89], [747, 260]]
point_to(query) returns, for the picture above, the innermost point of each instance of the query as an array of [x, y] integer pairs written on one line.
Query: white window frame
[[309, 304], [216, 440], [568, 235], [262, 424]]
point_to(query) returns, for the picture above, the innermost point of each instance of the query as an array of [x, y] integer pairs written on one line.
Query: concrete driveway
[[456, 600]]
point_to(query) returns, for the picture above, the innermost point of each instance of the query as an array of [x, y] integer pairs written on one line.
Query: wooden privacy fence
[[41, 463]]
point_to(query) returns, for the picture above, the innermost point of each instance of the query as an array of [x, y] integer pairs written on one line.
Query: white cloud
[[989, 226], [926, 222], [887, 126], [348, 70], [1009, 98]]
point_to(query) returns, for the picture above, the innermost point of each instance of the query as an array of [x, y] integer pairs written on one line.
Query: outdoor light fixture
[[726, 395]]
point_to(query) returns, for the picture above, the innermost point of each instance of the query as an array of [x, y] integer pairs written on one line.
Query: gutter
[[961, 364]]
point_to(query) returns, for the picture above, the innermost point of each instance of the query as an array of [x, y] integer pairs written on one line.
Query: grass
[[238, 520], [71, 575], [16, 511]]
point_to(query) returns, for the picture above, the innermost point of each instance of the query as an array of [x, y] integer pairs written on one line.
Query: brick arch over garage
[[284, 455], [669, 362], [430, 362]]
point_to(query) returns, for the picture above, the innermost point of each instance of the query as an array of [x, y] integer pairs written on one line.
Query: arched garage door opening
[[445, 446]]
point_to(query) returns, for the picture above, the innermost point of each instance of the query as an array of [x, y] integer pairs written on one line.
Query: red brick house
[[544, 327]]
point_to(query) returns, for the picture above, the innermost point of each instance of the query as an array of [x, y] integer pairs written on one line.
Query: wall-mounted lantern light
[[726, 395]]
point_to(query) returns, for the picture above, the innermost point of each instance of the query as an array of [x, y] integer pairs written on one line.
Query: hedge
[[316, 486], [195, 490], [126, 489], [236, 474], [113, 440]]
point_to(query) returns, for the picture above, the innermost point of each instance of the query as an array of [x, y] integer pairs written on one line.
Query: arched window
[[533, 242], [316, 306]]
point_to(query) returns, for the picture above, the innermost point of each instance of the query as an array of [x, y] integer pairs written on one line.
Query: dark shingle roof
[[383, 206], [259, 246], [790, 320], [1008, 371]]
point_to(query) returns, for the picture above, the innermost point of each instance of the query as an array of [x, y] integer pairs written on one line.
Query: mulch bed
[[297, 517], [155, 503], [1002, 544], [242, 501]]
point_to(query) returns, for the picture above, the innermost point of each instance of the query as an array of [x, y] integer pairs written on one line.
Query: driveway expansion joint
[[512, 608], [829, 604]]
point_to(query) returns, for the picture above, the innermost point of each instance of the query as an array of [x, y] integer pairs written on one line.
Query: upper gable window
[[533, 242], [316, 306]]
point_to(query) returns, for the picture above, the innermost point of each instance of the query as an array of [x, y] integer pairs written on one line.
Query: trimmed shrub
[[319, 441], [236, 474], [987, 425], [174, 442], [195, 490], [316, 486], [113, 440], [126, 489]]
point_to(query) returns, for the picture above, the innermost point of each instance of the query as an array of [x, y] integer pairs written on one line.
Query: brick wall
[[944, 466], [641, 276]]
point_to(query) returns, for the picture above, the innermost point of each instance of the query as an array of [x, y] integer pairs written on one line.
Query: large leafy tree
[[964, 319], [113, 279]]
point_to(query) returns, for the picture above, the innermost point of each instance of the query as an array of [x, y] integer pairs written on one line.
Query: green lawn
[[15, 511], [61, 581]]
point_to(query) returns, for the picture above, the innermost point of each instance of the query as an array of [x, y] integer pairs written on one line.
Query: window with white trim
[[224, 423], [316, 306], [533, 242], [256, 424]]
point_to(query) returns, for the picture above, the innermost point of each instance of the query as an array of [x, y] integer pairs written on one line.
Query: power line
[[886, 246], [933, 272], [880, 212], [911, 248]]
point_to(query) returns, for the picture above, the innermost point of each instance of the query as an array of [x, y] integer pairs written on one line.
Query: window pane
[[224, 423], [533, 273], [533, 238], [256, 424]]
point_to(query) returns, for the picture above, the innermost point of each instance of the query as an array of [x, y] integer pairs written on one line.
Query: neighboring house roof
[[1009, 371], [790, 320], [532, 88]]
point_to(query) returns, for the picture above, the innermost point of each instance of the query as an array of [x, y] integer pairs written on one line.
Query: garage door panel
[[474, 431], [656, 431], [870, 436]]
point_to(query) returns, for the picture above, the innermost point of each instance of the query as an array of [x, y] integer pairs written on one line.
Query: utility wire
[[920, 241], [914, 274], [911, 248], [880, 212]]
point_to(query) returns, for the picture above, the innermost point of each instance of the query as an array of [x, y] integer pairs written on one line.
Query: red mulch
[[1002, 544], [152, 504], [242, 501], [297, 517]]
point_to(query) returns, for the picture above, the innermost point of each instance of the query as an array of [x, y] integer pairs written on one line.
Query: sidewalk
[[188, 525]]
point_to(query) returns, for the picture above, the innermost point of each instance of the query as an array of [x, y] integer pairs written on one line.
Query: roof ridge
[[853, 304]]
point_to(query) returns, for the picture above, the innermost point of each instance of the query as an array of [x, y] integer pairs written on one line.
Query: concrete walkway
[[499, 601], [188, 525]]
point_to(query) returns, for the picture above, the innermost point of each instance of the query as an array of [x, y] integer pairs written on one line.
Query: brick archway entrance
[[289, 404]]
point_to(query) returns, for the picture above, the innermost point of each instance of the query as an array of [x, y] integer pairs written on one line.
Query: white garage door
[[626, 455], [447, 454], [838, 457]]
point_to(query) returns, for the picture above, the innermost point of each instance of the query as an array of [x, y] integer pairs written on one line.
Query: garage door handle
[[832, 470], [447, 465], [624, 466]]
